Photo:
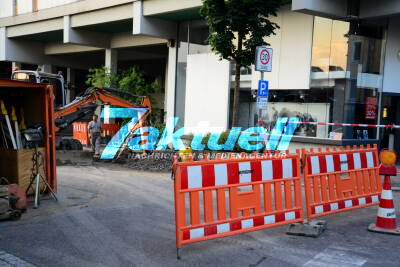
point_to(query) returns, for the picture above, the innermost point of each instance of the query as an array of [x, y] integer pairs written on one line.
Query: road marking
[[8, 260], [334, 256]]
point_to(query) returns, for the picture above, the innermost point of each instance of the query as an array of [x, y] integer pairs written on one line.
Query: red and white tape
[[342, 124]]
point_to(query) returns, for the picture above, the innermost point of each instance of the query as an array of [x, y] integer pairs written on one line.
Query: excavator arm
[[100, 96], [96, 96]]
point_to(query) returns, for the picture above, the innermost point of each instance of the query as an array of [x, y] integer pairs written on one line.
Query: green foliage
[[238, 26], [131, 80], [101, 77]]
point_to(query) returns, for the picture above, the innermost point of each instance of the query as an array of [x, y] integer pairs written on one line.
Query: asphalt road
[[109, 216]]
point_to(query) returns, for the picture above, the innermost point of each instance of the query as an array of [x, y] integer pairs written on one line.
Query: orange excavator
[[91, 99]]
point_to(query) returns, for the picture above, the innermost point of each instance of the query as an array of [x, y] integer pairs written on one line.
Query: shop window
[[346, 64]]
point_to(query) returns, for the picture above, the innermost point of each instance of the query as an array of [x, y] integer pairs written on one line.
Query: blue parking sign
[[262, 88]]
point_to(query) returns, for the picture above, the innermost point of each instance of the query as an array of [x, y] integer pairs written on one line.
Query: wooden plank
[[16, 166]]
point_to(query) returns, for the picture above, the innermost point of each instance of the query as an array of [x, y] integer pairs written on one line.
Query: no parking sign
[[263, 60]]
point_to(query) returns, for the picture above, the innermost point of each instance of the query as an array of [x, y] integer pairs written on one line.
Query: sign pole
[[263, 63], [260, 123]]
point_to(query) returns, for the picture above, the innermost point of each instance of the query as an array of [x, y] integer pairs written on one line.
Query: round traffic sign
[[264, 57]]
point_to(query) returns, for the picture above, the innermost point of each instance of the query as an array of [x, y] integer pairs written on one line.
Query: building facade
[[356, 55]]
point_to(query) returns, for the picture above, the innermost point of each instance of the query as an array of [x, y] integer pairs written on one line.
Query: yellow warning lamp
[[388, 159]]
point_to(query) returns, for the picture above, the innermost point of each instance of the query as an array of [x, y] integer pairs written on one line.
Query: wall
[[6, 9], [153, 7], [324, 8], [292, 47], [391, 78], [207, 92], [42, 4]]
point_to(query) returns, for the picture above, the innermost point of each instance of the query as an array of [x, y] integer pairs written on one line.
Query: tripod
[[37, 159]]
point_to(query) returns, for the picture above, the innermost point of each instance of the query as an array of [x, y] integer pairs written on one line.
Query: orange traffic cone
[[386, 219]]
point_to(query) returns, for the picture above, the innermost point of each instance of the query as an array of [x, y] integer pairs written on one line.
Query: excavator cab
[[56, 80]]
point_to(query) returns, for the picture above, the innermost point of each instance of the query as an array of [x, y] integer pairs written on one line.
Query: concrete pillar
[[70, 93], [46, 68], [170, 81], [111, 60], [143, 25]]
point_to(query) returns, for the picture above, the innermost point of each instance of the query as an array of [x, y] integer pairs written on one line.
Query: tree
[[236, 28], [131, 80]]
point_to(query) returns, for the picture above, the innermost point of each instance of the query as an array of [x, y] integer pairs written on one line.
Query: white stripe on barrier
[[343, 162], [357, 160], [246, 176], [194, 177], [348, 203], [319, 209], [223, 228], [370, 160], [247, 223], [267, 173], [362, 201], [269, 219], [334, 206], [221, 174], [290, 216], [287, 168], [330, 167], [386, 213], [314, 165], [375, 198], [387, 194], [195, 233]]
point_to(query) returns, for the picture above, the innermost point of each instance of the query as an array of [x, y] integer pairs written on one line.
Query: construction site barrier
[[340, 180], [80, 131], [222, 197]]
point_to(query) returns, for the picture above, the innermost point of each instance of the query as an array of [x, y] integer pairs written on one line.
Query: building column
[[48, 68], [111, 60], [170, 81], [70, 95]]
